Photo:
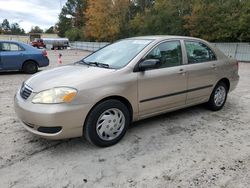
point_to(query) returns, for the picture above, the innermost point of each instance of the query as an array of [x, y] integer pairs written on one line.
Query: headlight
[[55, 95]]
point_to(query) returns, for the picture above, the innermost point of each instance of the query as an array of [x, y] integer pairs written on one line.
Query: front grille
[[25, 91]]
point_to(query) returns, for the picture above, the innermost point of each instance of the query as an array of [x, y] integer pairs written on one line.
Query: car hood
[[68, 76]]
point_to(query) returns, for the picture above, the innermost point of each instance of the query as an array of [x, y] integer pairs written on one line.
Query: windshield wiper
[[82, 62], [99, 64]]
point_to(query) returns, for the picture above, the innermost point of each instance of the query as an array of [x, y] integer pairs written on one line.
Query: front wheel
[[218, 97], [107, 123]]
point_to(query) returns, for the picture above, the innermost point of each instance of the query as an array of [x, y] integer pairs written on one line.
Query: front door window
[[169, 54]]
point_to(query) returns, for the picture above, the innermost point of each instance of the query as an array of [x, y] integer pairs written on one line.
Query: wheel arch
[[225, 81], [30, 60], [115, 97]]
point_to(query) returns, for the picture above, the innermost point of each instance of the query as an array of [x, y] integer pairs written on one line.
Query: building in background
[[27, 38]]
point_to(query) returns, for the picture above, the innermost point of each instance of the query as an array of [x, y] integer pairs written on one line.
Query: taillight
[[45, 54]]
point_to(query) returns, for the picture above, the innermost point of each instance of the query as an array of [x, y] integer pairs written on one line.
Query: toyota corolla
[[129, 80]]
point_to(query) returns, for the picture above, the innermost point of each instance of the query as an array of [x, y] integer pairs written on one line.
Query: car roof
[[164, 37], [9, 41], [12, 41]]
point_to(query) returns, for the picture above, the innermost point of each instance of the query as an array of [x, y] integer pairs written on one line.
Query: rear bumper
[[234, 82], [51, 121], [44, 62]]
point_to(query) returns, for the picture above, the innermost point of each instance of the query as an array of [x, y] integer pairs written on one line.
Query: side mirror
[[149, 64]]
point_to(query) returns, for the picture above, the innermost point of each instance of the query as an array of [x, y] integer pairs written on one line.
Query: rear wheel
[[107, 123], [30, 67], [218, 97]]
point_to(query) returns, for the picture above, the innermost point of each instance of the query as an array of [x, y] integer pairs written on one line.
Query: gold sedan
[[129, 80]]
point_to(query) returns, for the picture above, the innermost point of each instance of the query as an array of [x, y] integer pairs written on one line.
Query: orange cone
[[59, 60]]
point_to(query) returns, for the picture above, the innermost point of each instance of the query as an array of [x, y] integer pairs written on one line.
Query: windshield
[[118, 54]]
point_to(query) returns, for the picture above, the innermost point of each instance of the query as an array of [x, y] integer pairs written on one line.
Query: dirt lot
[[193, 147]]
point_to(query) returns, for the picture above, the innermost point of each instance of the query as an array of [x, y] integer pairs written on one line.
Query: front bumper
[[66, 120]]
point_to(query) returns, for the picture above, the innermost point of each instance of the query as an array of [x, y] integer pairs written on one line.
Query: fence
[[239, 51], [89, 46]]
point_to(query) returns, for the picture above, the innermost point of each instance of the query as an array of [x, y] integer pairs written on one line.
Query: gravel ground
[[193, 147]]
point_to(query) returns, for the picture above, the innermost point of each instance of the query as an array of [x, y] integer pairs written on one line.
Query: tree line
[[14, 29], [109, 20]]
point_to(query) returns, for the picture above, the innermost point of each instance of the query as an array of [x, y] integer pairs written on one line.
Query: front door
[[163, 88], [12, 56], [201, 71]]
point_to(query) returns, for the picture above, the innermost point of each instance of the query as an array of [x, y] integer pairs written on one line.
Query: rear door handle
[[213, 66]]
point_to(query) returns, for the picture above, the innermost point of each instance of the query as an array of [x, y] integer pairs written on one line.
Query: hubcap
[[220, 96], [31, 67], [110, 124]]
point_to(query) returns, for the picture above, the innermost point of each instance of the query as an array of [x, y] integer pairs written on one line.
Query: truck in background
[[49, 41], [56, 43], [38, 43]]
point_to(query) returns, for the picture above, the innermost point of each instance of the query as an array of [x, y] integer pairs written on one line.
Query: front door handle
[[182, 72]]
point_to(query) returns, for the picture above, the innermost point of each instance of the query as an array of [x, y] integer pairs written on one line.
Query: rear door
[[202, 71], [12, 56], [163, 88]]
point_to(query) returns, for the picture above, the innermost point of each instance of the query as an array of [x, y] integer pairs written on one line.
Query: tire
[[107, 123], [218, 97], [30, 67]]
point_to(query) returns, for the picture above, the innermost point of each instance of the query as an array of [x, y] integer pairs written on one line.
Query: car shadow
[[170, 115], [16, 73], [76, 144], [11, 73]]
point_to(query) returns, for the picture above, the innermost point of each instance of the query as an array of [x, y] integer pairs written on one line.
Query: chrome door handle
[[213, 66], [181, 71]]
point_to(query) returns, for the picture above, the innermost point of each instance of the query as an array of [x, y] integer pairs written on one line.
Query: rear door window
[[197, 52], [10, 47]]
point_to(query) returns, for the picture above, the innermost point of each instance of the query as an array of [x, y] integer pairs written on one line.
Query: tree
[[51, 30], [143, 5], [74, 34], [36, 29], [106, 19], [6, 26], [219, 20], [16, 30], [71, 16], [243, 23], [165, 17]]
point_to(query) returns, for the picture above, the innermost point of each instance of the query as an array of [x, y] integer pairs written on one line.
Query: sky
[[28, 13]]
